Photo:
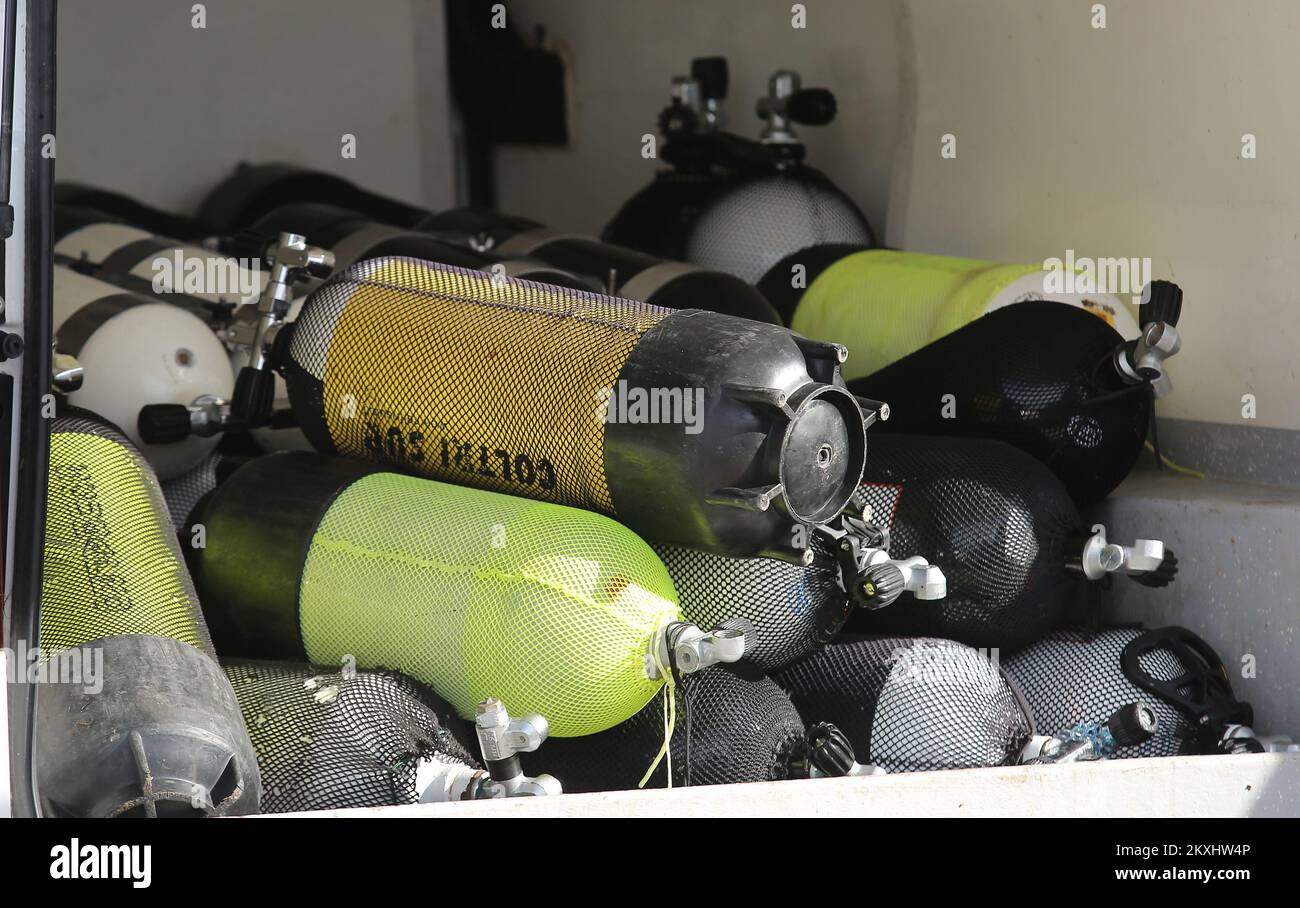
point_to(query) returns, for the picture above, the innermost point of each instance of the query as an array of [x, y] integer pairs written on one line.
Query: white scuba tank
[[133, 257], [168, 266], [137, 351]]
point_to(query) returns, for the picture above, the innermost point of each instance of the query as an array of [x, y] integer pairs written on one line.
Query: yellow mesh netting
[[883, 304], [470, 377], [550, 608], [112, 563]]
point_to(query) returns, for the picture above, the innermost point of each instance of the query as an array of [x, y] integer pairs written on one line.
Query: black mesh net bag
[[109, 534], [184, 492], [912, 704], [793, 608], [752, 226], [1080, 676], [331, 739], [733, 724], [1040, 377], [994, 520], [658, 219]]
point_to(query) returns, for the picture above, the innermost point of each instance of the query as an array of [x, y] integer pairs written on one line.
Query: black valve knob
[[1161, 576], [162, 424], [811, 106], [1243, 746], [712, 74], [1162, 301], [249, 244], [11, 346], [253, 402], [676, 119], [829, 751], [880, 585], [1133, 724]]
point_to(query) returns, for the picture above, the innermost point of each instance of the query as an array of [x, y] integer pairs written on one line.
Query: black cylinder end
[[1133, 724], [161, 424], [822, 454]]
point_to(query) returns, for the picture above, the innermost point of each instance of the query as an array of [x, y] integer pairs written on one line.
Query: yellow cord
[[1187, 471], [670, 722]]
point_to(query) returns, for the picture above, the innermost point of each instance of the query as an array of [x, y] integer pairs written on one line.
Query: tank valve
[[1130, 725], [831, 756], [66, 374], [691, 649], [290, 260], [870, 576], [788, 102], [1147, 561], [501, 739], [1143, 360], [167, 423], [1241, 739]]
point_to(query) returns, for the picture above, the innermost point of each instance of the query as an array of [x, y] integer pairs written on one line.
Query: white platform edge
[[1256, 785]]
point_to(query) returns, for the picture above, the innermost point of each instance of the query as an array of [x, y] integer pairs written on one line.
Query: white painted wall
[[150, 106], [1125, 141], [622, 57]]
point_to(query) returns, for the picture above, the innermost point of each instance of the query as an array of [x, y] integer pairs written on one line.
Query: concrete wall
[[151, 106]]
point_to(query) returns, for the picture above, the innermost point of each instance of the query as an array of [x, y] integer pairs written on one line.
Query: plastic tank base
[[162, 737]]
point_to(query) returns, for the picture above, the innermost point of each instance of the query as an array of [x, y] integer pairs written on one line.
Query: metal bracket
[[1143, 360], [501, 739], [290, 259], [693, 649], [66, 373], [1100, 557]]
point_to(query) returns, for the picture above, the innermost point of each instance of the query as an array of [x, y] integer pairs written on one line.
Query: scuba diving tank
[[219, 288], [352, 238], [254, 190], [551, 609], [689, 427], [503, 239], [884, 304], [184, 492], [332, 739], [1053, 380], [115, 206], [136, 718], [913, 704], [626, 272], [658, 218], [1079, 675], [135, 352], [1018, 558], [729, 723], [147, 263], [734, 204]]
